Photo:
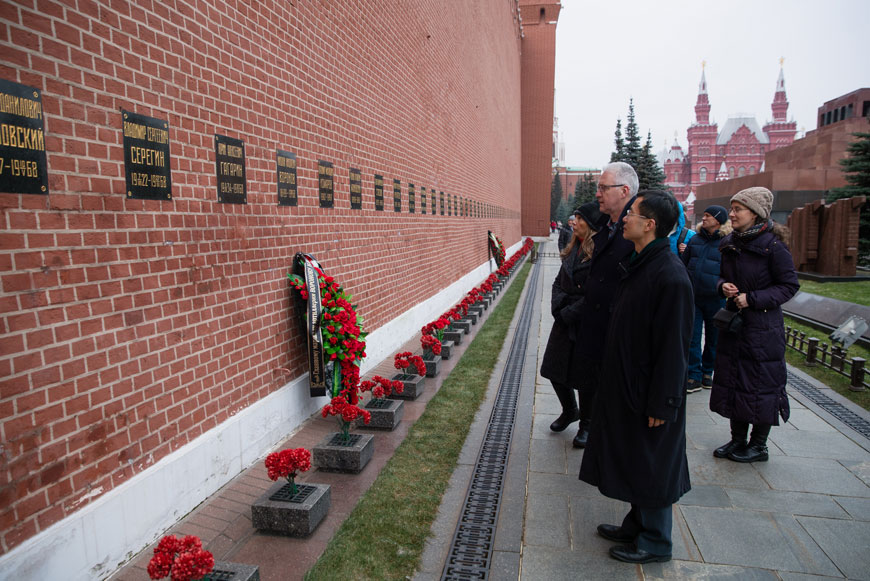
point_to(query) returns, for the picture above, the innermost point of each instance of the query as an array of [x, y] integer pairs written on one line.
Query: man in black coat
[[616, 187], [637, 445]]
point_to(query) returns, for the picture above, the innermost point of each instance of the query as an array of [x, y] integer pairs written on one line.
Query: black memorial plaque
[[230, 166], [355, 177], [285, 162], [449, 204], [397, 196], [146, 157], [412, 202], [23, 166], [442, 203], [379, 193], [423, 200], [326, 181]]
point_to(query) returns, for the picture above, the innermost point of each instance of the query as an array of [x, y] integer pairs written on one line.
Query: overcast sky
[[609, 51]]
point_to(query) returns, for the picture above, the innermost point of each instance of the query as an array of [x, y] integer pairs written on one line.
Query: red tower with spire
[[780, 131], [701, 158]]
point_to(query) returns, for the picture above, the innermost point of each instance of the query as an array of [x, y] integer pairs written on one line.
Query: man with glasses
[[637, 446], [616, 187]]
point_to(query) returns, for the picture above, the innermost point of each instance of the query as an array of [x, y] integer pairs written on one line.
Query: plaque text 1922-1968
[[286, 164], [326, 181], [146, 157]]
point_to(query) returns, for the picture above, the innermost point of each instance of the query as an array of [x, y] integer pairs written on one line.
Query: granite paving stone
[[859, 469], [704, 469], [547, 456], [553, 563], [846, 542], [818, 444], [858, 508], [798, 503], [755, 539], [678, 569], [820, 475], [706, 495], [548, 521]]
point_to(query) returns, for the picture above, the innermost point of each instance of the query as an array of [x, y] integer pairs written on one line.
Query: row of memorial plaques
[[147, 164]]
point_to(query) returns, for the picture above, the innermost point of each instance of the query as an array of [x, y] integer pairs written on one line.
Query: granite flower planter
[[471, 316], [414, 385], [463, 325], [477, 309], [224, 571], [446, 347], [433, 364], [280, 511], [453, 335], [386, 413], [334, 455]]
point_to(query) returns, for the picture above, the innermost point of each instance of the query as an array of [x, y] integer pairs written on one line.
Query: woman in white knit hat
[[757, 277]]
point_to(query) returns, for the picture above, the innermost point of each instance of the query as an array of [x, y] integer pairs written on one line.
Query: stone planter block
[[446, 346], [414, 385], [297, 516], [331, 455], [463, 325], [386, 413], [454, 336], [477, 309], [471, 316], [233, 571], [433, 365]]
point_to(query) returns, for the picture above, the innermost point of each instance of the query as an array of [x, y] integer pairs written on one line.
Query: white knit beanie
[[757, 199]]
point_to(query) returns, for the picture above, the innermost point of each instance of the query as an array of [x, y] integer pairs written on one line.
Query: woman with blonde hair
[[561, 364]]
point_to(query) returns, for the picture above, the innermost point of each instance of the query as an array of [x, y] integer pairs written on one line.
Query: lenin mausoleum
[[161, 163]]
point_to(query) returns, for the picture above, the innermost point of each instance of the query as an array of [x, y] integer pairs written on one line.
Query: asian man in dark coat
[[637, 445]]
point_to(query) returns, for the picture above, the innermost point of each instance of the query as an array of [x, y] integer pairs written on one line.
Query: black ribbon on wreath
[[494, 251], [306, 266]]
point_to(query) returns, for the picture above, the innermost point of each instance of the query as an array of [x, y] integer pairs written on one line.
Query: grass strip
[[384, 535], [829, 377], [857, 292]]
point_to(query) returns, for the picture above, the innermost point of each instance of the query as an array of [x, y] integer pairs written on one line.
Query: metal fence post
[[812, 348], [857, 375]]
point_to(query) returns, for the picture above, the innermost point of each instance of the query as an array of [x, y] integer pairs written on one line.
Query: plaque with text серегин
[[379, 192], [355, 178], [326, 181], [23, 166], [146, 157], [397, 196]]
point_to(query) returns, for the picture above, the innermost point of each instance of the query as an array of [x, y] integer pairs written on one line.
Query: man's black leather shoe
[[630, 554], [732, 446], [565, 420], [615, 534]]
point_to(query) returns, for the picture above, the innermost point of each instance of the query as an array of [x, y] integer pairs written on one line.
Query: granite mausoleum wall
[[132, 326]]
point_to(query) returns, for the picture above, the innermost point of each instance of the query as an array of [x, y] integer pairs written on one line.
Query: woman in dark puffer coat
[[757, 276]]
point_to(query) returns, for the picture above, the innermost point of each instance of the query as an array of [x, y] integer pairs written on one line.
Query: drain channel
[[834, 408], [470, 553]]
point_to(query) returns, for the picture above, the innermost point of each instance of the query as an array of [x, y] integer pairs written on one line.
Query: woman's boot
[[738, 440], [570, 411], [756, 451]]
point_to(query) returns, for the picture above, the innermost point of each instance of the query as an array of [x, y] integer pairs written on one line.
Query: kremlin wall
[[169, 161]]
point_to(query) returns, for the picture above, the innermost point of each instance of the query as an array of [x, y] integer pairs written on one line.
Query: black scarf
[[753, 232]]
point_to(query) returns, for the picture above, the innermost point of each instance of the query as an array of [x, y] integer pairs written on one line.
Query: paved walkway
[[803, 515]]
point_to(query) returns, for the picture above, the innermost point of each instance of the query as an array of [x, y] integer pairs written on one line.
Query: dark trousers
[[566, 396], [651, 528], [701, 362]]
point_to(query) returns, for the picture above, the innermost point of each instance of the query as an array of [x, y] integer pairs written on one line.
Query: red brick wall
[[131, 327]]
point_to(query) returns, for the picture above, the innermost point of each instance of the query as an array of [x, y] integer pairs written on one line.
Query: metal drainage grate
[[470, 553], [285, 493], [834, 408]]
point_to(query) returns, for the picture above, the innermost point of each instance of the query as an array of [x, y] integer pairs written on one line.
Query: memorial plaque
[[433, 203], [442, 203], [397, 196], [286, 164], [23, 166], [412, 202], [355, 177], [146, 157], [379, 193], [230, 167], [423, 200], [326, 181]]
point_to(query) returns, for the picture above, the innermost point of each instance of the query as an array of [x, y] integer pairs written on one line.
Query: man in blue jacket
[[702, 258]]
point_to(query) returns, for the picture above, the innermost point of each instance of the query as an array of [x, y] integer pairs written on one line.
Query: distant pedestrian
[[637, 445], [758, 276], [703, 259], [561, 364], [681, 233]]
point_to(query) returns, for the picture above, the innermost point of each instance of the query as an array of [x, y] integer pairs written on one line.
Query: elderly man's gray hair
[[623, 174]]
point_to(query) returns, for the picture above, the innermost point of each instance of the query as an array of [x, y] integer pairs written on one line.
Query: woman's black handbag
[[728, 320]]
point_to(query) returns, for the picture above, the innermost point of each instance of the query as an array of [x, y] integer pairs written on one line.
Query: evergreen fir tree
[[619, 154], [650, 176], [555, 196], [584, 191], [632, 138], [857, 169]]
